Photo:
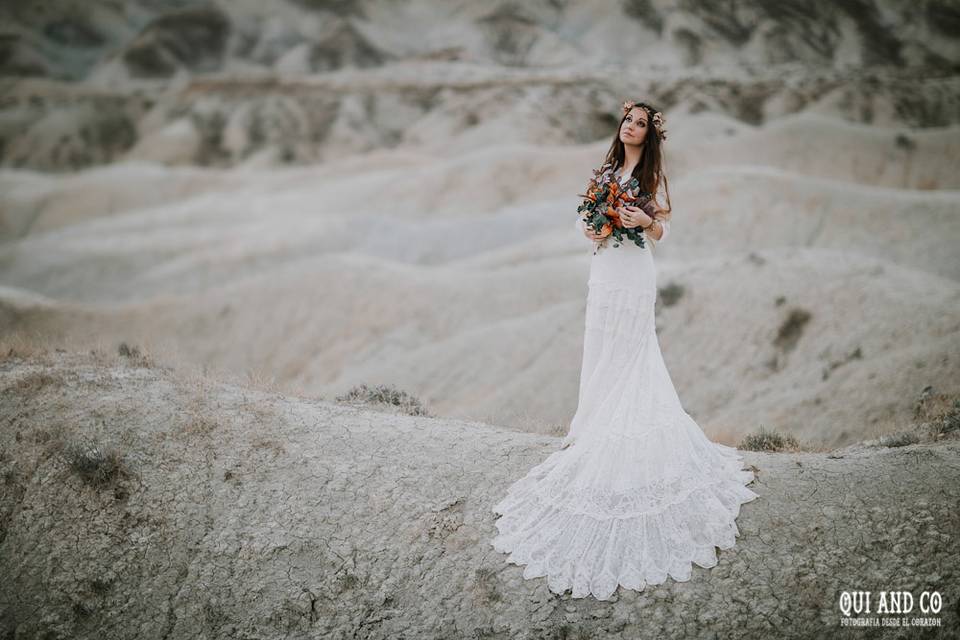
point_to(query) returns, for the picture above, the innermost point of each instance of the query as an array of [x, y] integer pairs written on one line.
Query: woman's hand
[[632, 216]]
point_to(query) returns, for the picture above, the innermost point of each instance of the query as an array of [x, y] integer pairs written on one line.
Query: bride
[[636, 492]]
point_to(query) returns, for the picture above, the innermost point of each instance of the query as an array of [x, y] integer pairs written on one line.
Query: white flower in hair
[[660, 122]]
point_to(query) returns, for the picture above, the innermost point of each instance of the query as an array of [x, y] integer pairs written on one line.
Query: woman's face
[[634, 128]]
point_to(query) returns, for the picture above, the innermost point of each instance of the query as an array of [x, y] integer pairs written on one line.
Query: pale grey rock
[[249, 514]]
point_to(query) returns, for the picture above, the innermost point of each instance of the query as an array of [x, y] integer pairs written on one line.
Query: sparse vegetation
[[383, 394], [856, 354], [127, 351], [258, 379], [931, 406], [944, 423], [200, 424], [134, 355], [791, 329], [98, 465], [899, 439], [18, 345], [765, 440], [904, 142], [32, 383], [937, 414], [671, 294], [950, 421]]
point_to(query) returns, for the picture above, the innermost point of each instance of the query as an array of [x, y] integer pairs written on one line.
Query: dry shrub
[[791, 329], [257, 379], [949, 421], [899, 439], [765, 440], [33, 383], [199, 421], [671, 294], [98, 465], [199, 424], [134, 355], [21, 345], [383, 394]]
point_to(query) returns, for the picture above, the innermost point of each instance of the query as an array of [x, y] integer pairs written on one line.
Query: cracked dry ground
[[245, 514]]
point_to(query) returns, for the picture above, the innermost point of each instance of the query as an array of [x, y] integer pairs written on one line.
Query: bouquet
[[604, 196]]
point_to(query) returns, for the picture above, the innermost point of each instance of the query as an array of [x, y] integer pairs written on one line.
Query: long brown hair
[[649, 170]]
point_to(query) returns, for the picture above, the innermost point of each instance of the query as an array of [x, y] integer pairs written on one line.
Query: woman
[[637, 492]]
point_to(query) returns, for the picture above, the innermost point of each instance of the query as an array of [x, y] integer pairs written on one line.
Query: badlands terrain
[[816, 302]]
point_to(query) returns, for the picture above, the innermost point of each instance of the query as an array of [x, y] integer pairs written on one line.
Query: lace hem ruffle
[[642, 487], [591, 554]]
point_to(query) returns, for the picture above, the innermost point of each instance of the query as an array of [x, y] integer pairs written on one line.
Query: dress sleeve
[[666, 230], [661, 201]]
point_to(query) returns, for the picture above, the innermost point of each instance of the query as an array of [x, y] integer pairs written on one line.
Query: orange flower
[[614, 216], [605, 230]]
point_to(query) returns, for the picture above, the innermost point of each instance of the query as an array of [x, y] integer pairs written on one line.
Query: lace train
[[590, 526]]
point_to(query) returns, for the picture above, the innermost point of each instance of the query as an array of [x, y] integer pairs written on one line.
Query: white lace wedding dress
[[639, 492]]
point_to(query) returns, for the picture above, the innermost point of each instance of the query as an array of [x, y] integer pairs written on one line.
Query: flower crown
[[658, 119]]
